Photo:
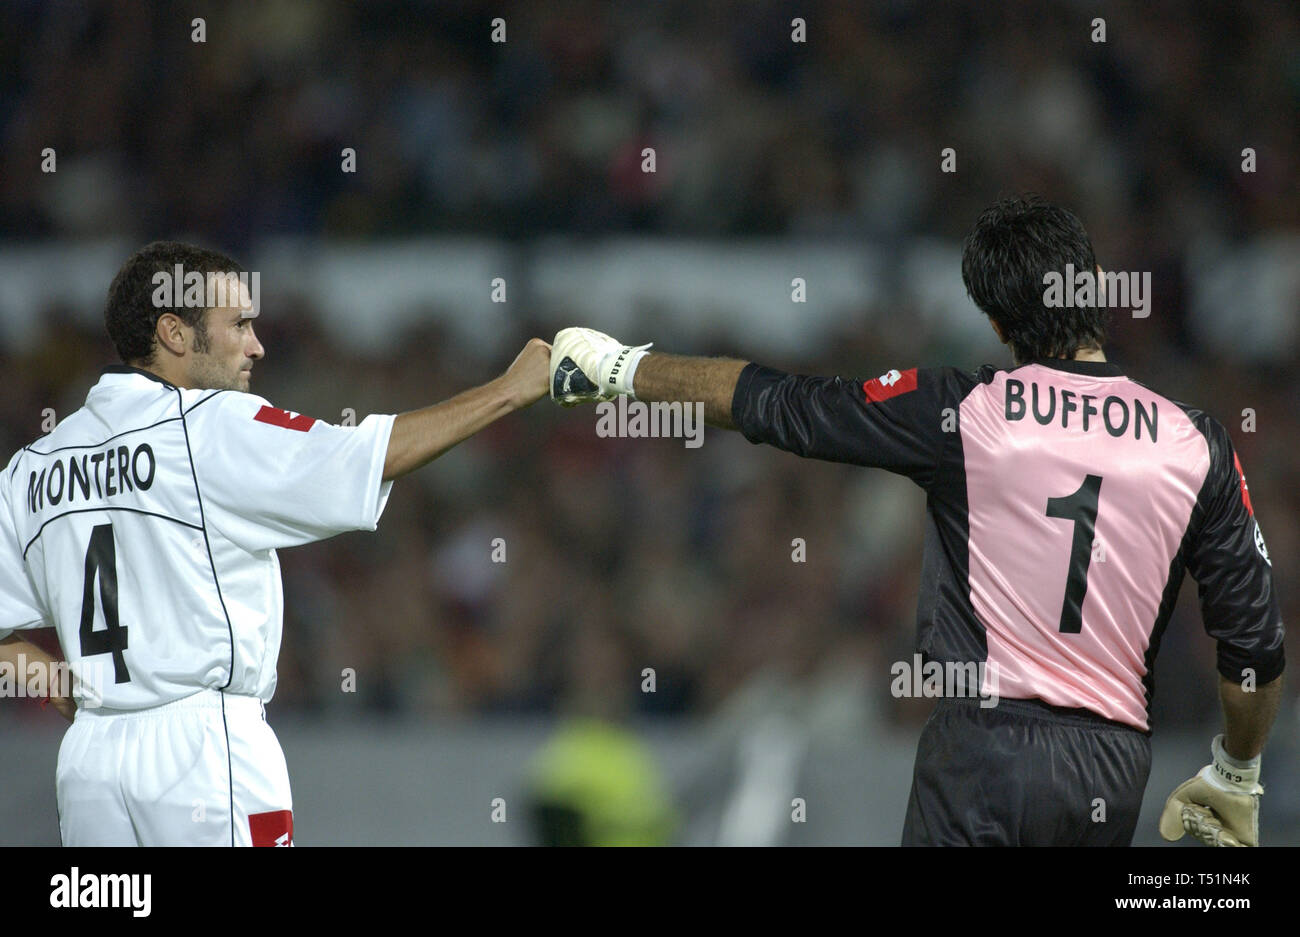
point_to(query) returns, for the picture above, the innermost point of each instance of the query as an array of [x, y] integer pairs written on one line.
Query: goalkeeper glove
[[1220, 806], [589, 365]]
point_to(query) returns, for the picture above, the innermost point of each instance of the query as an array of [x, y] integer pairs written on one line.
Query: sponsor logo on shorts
[[272, 828]]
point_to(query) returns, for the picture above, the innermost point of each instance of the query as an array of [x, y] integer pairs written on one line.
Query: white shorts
[[202, 771]]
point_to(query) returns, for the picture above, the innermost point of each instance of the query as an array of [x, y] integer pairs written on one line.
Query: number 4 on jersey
[[101, 559]]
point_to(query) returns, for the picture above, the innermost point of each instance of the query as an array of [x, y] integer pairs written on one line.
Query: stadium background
[[522, 161]]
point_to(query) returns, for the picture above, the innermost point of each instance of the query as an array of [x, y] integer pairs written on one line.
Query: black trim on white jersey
[[194, 406], [208, 545], [95, 445], [131, 369], [111, 508], [110, 369]]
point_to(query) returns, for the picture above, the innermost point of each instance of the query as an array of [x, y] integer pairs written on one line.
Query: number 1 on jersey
[[1080, 507], [101, 559]]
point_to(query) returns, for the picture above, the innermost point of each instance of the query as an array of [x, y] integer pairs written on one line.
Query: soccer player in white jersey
[[144, 529]]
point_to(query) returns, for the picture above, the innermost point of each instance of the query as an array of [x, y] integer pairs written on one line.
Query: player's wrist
[[1231, 774], [508, 394], [1219, 747], [619, 368]]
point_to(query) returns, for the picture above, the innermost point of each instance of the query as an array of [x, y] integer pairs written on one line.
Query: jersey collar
[[1090, 368], [129, 369]]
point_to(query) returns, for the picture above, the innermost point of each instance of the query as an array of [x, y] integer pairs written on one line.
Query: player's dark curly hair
[[1014, 243], [131, 314]]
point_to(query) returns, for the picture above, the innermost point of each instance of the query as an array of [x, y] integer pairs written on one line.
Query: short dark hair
[[131, 314], [1013, 245]]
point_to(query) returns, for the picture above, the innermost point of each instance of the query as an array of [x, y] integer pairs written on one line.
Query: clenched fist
[[529, 374]]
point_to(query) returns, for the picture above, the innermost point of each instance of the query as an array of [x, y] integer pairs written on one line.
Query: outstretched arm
[[677, 377], [420, 436], [894, 422]]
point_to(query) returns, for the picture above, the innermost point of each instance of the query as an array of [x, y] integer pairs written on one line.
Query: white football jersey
[[144, 529]]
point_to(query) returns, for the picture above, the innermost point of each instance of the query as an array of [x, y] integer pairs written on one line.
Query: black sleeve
[[1234, 576], [898, 421]]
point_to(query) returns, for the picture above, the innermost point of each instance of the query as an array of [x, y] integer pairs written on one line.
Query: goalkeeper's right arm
[[589, 365], [676, 377]]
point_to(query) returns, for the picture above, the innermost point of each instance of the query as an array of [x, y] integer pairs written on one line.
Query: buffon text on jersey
[[71, 478], [1117, 415]]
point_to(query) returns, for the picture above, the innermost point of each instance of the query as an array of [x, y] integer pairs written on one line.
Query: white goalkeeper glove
[[1220, 806], [589, 365]]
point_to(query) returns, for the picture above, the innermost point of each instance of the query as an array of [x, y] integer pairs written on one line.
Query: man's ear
[[1002, 338], [170, 332]]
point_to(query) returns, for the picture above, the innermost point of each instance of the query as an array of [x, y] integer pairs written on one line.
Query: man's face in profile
[[225, 346]]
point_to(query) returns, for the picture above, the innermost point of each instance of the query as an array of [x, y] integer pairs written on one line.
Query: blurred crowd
[[622, 556], [242, 136]]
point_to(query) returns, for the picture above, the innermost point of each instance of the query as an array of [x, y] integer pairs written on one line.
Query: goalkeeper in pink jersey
[[1065, 503]]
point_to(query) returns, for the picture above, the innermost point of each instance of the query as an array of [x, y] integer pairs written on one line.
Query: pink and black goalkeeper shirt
[[1065, 501]]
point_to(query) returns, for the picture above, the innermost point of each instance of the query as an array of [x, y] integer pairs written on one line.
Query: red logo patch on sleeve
[[889, 384], [273, 828], [1245, 492], [284, 419]]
